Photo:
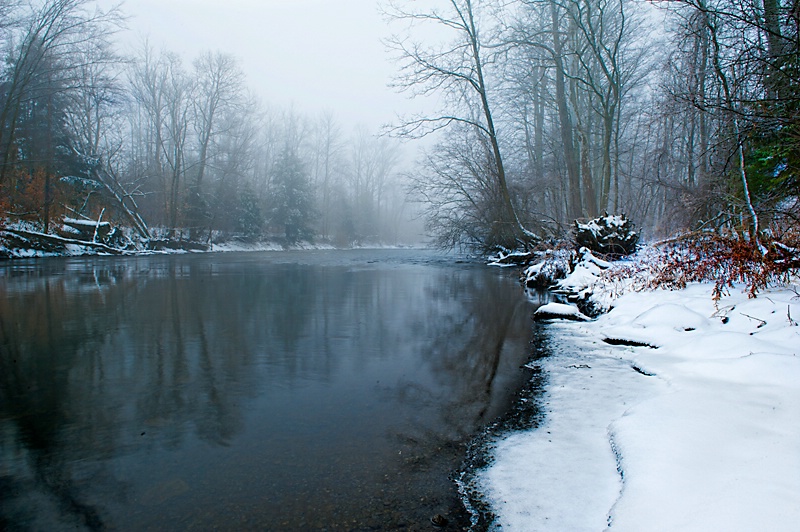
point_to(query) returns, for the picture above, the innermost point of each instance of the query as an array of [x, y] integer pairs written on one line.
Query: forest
[[169, 151], [680, 114]]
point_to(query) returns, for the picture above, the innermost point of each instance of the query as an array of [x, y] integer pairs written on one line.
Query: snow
[[235, 246], [85, 223], [559, 311], [584, 274], [702, 433]]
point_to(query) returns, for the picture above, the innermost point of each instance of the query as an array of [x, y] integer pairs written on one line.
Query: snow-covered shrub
[[610, 236]]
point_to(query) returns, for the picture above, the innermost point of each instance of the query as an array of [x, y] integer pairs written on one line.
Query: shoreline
[[524, 414], [648, 431], [74, 250]]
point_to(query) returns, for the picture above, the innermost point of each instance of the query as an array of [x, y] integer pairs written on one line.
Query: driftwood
[[512, 259], [125, 202], [88, 230], [49, 242], [610, 236]]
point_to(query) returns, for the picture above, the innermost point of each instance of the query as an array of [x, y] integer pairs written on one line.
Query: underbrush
[[723, 261]]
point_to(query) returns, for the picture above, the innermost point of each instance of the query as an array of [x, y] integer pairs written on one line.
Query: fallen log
[[50, 240], [88, 230]]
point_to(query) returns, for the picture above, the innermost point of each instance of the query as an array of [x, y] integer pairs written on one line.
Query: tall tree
[[219, 92], [292, 198], [458, 70], [46, 59], [328, 162]]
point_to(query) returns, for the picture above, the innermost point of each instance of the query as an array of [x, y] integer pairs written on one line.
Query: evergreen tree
[[250, 220], [292, 198]]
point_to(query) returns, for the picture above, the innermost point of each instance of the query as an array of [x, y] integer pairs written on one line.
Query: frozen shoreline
[[698, 434]]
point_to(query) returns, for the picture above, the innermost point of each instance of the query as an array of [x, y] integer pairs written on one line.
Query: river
[[302, 390]]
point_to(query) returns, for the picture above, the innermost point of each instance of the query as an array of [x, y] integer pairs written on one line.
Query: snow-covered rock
[[551, 268], [559, 311]]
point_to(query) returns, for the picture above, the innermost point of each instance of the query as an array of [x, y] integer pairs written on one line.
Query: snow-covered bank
[[700, 433], [64, 247], [25, 240]]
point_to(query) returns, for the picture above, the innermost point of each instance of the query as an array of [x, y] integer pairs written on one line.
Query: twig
[[753, 318]]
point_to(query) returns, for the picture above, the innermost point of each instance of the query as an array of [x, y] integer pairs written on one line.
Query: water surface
[[276, 391]]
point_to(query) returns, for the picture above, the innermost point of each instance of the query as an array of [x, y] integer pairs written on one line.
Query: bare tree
[[372, 163], [48, 59], [458, 71], [459, 195], [328, 148], [178, 100], [219, 92]]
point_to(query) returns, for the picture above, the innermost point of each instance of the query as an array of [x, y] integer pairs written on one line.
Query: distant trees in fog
[[175, 150]]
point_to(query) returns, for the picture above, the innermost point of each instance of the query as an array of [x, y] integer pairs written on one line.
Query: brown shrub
[[725, 261]]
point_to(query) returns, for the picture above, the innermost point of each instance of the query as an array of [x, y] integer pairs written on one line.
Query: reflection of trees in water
[[111, 361], [471, 331], [78, 385], [478, 330], [41, 408], [131, 355]]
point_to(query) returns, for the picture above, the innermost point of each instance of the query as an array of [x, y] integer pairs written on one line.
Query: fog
[[314, 55], [260, 118]]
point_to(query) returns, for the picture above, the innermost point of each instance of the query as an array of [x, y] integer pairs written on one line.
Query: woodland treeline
[[681, 114], [172, 150]]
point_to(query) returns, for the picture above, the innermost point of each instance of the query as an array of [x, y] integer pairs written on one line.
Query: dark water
[[272, 391]]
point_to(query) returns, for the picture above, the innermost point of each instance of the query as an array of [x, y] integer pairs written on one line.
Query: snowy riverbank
[[698, 432], [23, 242]]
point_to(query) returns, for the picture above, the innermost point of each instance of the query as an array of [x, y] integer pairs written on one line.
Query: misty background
[[191, 123]]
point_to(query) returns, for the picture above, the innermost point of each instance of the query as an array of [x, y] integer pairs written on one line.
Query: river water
[[274, 391]]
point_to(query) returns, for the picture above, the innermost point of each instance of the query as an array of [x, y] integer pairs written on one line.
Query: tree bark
[[570, 159]]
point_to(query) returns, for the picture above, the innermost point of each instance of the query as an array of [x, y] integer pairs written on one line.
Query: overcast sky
[[315, 54]]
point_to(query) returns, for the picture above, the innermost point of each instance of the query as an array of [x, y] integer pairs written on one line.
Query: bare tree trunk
[[731, 108], [570, 159], [538, 135], [772, 31], [588, 195], [514, 226]]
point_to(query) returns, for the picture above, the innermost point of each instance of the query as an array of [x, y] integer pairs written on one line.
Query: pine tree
[[292, 198]]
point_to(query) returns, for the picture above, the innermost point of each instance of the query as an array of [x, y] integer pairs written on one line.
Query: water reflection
[[249, 391]]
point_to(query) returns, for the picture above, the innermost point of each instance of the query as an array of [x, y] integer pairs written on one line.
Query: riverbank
[[23, 242], [687, 422]]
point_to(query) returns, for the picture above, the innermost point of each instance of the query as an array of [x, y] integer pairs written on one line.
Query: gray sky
[[315, 54]]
